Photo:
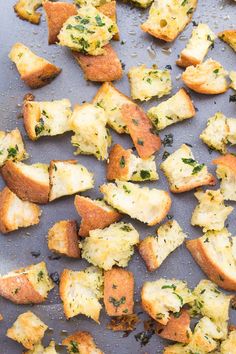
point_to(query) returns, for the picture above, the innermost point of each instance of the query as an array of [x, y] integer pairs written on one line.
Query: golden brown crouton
[[125, 323], [12, 146], [229, 36], [26, 10], [82, 343], [109, 10]]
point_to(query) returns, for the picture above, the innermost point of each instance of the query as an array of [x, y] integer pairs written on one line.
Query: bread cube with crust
[[229, 37], [12, 146], [39, 349], [26, 10], [232, 76], [82, 343], [226, 172]]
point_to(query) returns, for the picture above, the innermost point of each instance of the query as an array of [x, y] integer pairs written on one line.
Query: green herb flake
[[99, 21], [140, 142], [74, 347], [144, 174], [135, 122], [116, 303], [40, 275], [12, 151], [126, 228], [172, 286], [122, 162]]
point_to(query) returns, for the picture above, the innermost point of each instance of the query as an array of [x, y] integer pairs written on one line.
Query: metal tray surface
[[138, 47]]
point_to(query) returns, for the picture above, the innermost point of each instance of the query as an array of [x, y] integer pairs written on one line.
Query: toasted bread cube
[[12, 147], [210, 213], [184, 172], [229, 345], [63, 238], [232, 76], [46, 118], [39, 349], [82, 343], [201, 40], [208, 78], [229, 37], [154, 250], [80, 292], [226, 172], [68, 177], [28, 182], [109, 10], [111, 246], [130, 199], [95, 214], [34, 70], [168, 18], [26, 10], [91, 135]]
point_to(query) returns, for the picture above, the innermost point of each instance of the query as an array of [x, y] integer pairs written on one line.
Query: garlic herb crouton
[[26, 10], [229, 344], [226, 172], [82, 343], [232, 76], [130, 199], [229, 37], [39, 349], [111, 246], [12, 146]]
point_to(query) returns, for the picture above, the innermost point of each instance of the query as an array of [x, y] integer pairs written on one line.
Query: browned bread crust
[[114, 168], [42, 76]]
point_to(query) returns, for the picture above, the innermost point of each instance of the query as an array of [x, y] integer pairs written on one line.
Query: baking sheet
[[16, 247]]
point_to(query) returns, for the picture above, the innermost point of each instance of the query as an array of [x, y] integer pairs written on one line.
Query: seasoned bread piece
[[111, 246], [26, 10], [167, 18], [232, 76], [201, 40], [16, 213], [39, 349], [146, 83], [109, 9], [80, 292], [208, 77], [12, 146], [228, 346], [215, 254], [95, 214], [82, 343], [63, 238], [130, 199], [34, 70], [229, 36], [118, 292], [125, 166], [177, 108], [154, 250], [226, 172], [91, 135], [28, 182], [68, 177], [27, 330], [46, 118], [210, 213]]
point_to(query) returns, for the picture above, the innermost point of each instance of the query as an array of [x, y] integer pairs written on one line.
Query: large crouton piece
[[229, 36], [226, 172], [39, 349], [109, 10], [82, 343], [26, 10], [12, 146]]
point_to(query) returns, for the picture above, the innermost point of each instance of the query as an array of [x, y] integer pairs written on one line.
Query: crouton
[[26, 10], [177, 108], [208, 78], [168, 18], [226, 172], [39, 349], [68, 177], [163, 296], [232, 76], [111, 246], [46, 118], [122, 323], [130, 199], [100, 68], [82, 343], [91, 136], [28, 182], [118, 292], [109, 10], [63, 238], [154, 250], [95, 214], [184, 172], [125, 166], [12, 147], [228, 346], [34, 70], [27, 330], [98, 30], [201, 40], [229, 37], [210, 213], [16, 213], [146, 83], [214, 252], [80, 292]]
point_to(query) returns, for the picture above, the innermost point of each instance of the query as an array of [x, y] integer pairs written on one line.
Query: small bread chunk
[[125, 166], [232, 76], [27, 330], [100, 68], [215, 254], [109, 10], [208, 78], [56, 15], [26, 10], [229, 345], [201, 40], [154, 250], [184, 173], [111, 246], [229, 37], [82, 343], [46, 118], [95, 214], [130, 199], [118, 292], [28, 285], [28, 182], [11, 146], [168, 18], [226, 172], [63, 238], [177, 108], [80, 292], [34, 70], [16, 213], [91, 135], [210, 213], [39, 349], [163, 296], [146, 83], [68, 177], [87, 32]]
